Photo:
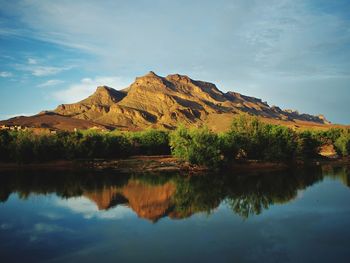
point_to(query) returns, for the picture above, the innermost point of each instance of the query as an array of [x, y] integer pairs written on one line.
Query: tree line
[[247, 138]]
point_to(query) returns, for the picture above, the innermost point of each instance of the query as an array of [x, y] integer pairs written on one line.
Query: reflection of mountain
[[155, 196], [148, 201]]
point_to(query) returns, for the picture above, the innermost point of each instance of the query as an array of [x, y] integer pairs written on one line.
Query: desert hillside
[[163, 102]]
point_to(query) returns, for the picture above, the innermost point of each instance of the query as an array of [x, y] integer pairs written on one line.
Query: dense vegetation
[[24, 146], [248, 138]]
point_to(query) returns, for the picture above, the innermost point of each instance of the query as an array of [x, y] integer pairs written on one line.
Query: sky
[[291, 53]]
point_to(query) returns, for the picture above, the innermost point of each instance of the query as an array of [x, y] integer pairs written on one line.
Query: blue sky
[[291, 53]]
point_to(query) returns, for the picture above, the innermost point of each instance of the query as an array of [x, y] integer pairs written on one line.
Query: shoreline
[[164, 163]]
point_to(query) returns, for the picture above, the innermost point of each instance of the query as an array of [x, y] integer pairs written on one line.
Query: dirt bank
[[150, 164]]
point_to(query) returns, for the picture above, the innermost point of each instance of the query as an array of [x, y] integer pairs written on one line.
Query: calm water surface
[[294, 216]]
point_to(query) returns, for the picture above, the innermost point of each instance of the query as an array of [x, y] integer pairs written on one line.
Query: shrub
[[332, 134], [5, 141], [249, 135], [262, 141], [197, 146], [149, 142], [71, 144], [342, 144], [307, 145], [46, 147], [229, 146], [117, 146], [281, 143], [21, 147]]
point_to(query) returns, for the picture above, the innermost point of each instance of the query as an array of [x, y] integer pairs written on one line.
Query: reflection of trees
[[338, 172], [197, 194], [246, 195], [65, 184]]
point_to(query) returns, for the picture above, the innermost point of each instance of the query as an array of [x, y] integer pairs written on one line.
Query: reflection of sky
[[313, 226]]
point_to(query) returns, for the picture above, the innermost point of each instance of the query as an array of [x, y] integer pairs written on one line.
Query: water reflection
[[171, 195]]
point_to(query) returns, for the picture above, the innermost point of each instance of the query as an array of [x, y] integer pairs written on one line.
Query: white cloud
[[32, 61], [86, 87], [5, 74], [50, 83], [88, 209], [42, 71]]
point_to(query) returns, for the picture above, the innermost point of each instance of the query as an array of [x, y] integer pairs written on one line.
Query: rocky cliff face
[[155, 101]]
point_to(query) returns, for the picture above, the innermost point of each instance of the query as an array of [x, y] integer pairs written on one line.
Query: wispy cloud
[[5, 74], [271, 37], [50, 83], [85, 87], [41, 71], [32, 61]]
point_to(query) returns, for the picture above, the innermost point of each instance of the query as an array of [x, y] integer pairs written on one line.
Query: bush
[[22, 146], [247, 132], [71, 144], [197, 146], [342, 144], [5, 141], [308, 145], [229, 146], [117, 146], [332, 134], [258, 140], [46, 148], [281, 143], [149, 142]]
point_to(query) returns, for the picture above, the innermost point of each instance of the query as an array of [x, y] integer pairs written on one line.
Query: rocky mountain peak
[[103, 89], [104, 95], [179, 78]]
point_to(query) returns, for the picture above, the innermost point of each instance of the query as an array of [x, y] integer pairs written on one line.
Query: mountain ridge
[[164, 102]]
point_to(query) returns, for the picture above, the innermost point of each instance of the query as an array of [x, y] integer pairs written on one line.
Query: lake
[[301, 215]]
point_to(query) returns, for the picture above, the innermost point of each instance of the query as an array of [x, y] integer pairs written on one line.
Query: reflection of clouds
[[45, 228], [51, 215], [40, 230], [88, 209], [300, 194], [5, 226]]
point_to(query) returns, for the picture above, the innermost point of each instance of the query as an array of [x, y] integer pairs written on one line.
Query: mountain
[[164, 102]]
